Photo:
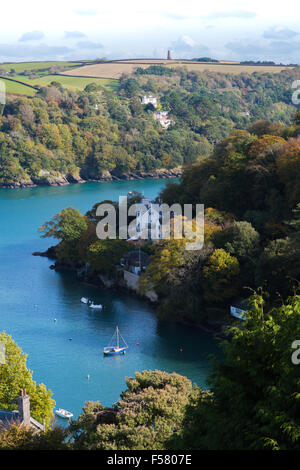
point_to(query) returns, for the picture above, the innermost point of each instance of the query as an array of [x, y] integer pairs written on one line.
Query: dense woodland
[[250, 188], [251, 192], [96, 132]]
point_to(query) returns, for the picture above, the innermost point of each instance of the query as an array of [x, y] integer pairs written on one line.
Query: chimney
[[24, 407]]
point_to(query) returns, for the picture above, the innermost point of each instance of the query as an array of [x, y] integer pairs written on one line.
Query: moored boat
[[64, 413], [92, 305], [114, 350]]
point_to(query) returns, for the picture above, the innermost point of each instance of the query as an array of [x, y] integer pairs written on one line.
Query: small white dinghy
[[92, 305], [64, 413], [84, 300]]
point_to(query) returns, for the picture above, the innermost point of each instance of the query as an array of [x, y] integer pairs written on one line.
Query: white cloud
[[86, 12], [187, 47], [240, 14], [175, 16], [32, 36], [277, 51], [279, 32], [137, 28], [89, 45], [74, 34], [28, 52]]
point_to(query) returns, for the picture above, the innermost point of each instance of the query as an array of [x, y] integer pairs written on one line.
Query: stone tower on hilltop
[[169, 57]]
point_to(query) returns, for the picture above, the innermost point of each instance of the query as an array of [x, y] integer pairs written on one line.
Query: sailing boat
[[113, 350]]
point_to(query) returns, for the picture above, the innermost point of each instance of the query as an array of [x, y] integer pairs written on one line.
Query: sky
[[70, 30]]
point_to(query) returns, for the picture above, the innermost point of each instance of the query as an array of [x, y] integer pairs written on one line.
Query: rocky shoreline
[[62, 180]]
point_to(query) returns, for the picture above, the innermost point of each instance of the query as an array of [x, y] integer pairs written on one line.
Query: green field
[[72, 83], [21, 66], [17, 88]]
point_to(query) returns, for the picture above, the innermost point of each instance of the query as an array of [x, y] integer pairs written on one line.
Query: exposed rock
[[62, 180], [71, 178], [59, 180], [28, 183], [50, 253], [161, 173]]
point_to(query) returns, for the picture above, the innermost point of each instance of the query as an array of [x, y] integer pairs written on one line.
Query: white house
[[149, 99], [148, 224], [163, 118]]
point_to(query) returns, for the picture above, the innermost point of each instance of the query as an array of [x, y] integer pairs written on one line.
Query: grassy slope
[[17, 88], [73, 83], [21, 66], [68, 82]]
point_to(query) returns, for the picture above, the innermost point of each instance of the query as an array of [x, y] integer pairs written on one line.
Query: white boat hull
[[64, 413]]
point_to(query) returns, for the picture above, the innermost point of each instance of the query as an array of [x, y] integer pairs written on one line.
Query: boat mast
[[117, 337]]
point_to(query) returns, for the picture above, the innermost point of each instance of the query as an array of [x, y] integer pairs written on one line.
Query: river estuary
[[63, 353]]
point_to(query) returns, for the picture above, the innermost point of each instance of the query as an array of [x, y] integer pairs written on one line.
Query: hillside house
[[149, 99], [148, 223], [22, 415], [163, 118], [238, 309]]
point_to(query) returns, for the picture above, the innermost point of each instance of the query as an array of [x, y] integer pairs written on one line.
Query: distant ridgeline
[[61, 135], [263, 62]]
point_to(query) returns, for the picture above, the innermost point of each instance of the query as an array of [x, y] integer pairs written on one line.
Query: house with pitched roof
[[22, 415]]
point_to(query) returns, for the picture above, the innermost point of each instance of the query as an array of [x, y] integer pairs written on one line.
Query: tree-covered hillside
[[95, 133], [250, 188]]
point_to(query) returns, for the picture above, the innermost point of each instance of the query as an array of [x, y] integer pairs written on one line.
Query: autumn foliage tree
[[254, 399], [220, 276], [150, 410]]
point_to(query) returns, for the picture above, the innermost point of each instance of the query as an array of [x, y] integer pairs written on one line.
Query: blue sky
[[34, 30]]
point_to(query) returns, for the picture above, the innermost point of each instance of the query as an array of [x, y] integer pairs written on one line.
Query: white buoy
[[54, 319], [88, 376]]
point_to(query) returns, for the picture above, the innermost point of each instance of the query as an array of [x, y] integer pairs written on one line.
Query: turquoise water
[[32, 296]]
